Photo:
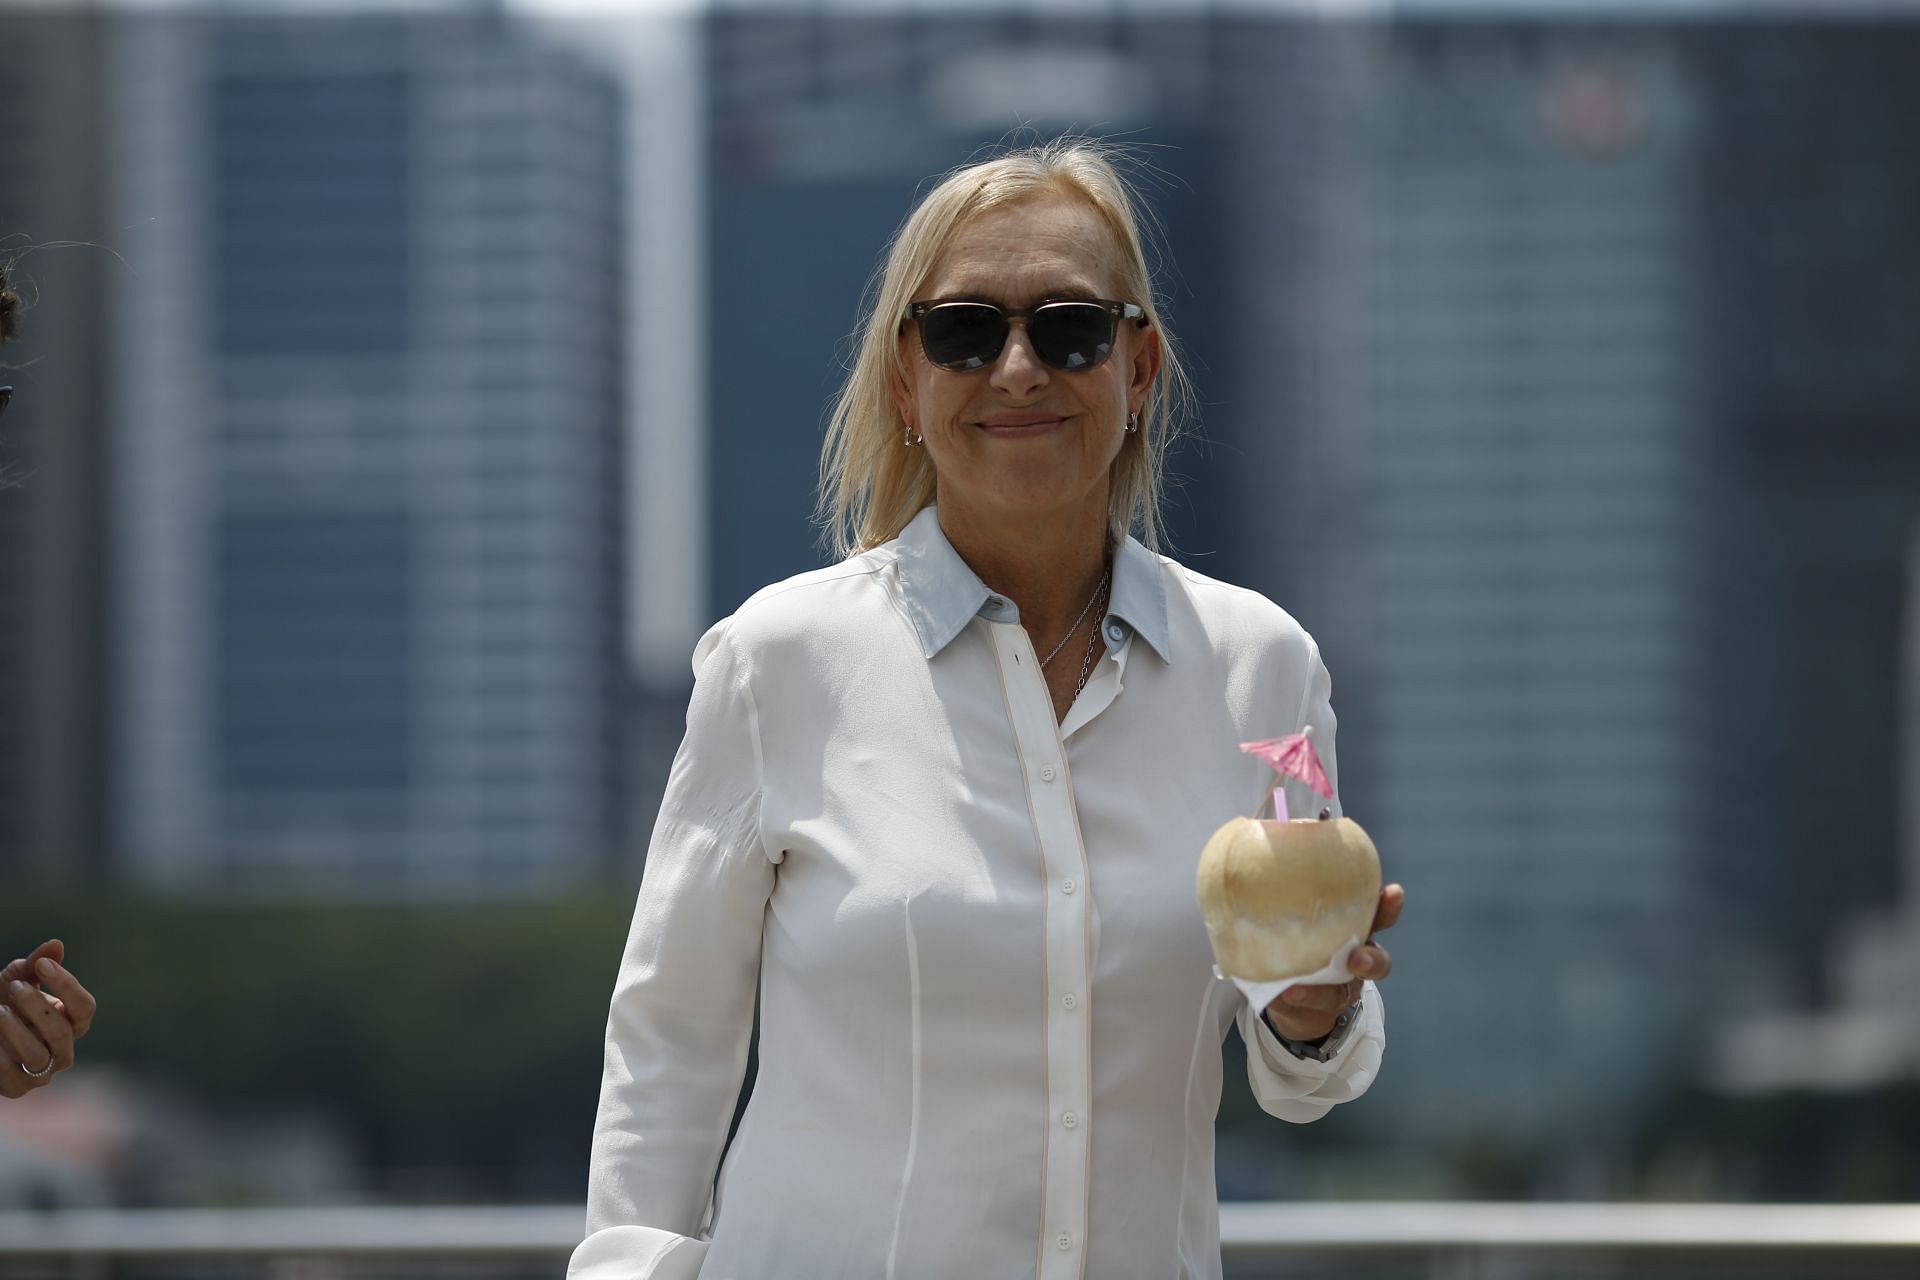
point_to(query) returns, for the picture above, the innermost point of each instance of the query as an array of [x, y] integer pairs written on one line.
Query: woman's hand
[[38, 1028], [1307, 1013]]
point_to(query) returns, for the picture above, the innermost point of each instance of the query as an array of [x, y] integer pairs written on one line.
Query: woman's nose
[[1018, 371]]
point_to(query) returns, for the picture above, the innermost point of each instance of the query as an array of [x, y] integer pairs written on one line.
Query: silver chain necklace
[[1084, 609], [1086, 667]]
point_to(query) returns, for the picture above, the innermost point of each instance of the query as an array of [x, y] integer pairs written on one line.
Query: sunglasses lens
[[1071, 335], [963, 335]]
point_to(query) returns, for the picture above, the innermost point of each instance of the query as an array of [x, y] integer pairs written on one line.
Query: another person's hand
[[38, 1028], [1308, 1012]]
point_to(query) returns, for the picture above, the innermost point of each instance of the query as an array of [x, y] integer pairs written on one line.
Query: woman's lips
[[1024, 424]]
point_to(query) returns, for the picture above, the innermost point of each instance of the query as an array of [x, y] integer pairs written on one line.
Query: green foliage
[[443, 1035]]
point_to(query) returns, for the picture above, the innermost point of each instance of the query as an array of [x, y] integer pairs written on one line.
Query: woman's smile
[[1020, 425]]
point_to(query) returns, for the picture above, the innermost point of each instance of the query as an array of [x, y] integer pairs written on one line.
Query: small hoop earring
[[911, 439], [1133, 423]]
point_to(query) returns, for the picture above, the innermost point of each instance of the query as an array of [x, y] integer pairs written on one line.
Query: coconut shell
[[1281, 898]]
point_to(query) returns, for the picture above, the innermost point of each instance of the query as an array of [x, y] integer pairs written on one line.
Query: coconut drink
[[1282, 898], [1285, 898]]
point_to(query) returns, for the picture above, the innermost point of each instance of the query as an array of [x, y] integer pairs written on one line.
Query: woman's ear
[[1145, 367]]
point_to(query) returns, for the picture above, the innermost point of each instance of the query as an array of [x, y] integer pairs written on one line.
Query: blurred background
[[405, 386]]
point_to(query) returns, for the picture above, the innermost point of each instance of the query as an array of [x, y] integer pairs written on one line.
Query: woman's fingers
[[74, 1000], [40, 1015], [1392, 898], [21, 1051], [1370, 960], [25, 969], [52, 949]]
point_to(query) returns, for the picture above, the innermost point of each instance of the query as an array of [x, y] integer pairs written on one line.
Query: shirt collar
[[942, 594]]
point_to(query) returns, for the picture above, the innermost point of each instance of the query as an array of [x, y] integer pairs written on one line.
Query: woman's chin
[[1037, 493]]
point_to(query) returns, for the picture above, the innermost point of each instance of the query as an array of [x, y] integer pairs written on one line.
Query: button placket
[[1067, 930]]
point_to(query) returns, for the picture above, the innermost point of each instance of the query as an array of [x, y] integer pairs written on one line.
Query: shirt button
[[1047, 774], [1070, 1000], [1066, 886], [1063, 1242], [1114, 632], [1070, 1120]]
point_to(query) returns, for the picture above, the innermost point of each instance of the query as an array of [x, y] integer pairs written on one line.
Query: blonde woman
[[939, 806]]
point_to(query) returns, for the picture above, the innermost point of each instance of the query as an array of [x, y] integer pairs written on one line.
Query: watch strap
[[1328, 1046]]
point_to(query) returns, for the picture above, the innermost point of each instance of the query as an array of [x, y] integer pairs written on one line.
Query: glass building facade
[[373, 548]]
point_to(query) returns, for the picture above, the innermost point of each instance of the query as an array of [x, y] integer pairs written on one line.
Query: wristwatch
[[1324, 1051]]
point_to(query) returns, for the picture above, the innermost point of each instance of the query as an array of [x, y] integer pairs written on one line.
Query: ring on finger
[[41, 1074]]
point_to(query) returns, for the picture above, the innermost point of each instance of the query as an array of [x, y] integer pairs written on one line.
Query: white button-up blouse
[[990, 1028]]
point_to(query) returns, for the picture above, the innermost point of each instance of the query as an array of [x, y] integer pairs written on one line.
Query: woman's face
[[1018, 438]]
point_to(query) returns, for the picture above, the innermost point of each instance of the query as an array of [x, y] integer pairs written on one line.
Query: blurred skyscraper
[[370, 519], [1517, 571], [1814, 271], [1814, 274], [54, 693]]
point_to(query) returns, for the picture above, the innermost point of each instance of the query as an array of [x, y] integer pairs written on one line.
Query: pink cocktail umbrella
[[1292, 757]]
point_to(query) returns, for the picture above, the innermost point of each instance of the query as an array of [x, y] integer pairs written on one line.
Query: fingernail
[[21, 988], [1359, 964], [48, 968]]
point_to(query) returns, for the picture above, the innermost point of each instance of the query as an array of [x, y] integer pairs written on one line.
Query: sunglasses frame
[[1117, 310]]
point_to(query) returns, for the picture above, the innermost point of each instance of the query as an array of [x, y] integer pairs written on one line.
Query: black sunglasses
[[1072, 336], [6, 398]]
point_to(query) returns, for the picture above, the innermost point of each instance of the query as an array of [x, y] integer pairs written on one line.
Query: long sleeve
[[1293, 1088], [682, 1008]]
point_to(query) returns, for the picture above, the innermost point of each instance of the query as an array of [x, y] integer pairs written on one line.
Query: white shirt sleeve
[[1301, 1090], [1293, 1088], [682, 1009]]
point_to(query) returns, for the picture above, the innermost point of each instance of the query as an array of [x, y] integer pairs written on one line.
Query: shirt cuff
[[635, 1252], [1300, 1090]]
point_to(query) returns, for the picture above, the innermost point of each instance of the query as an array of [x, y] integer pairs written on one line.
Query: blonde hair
[[871, 485]]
